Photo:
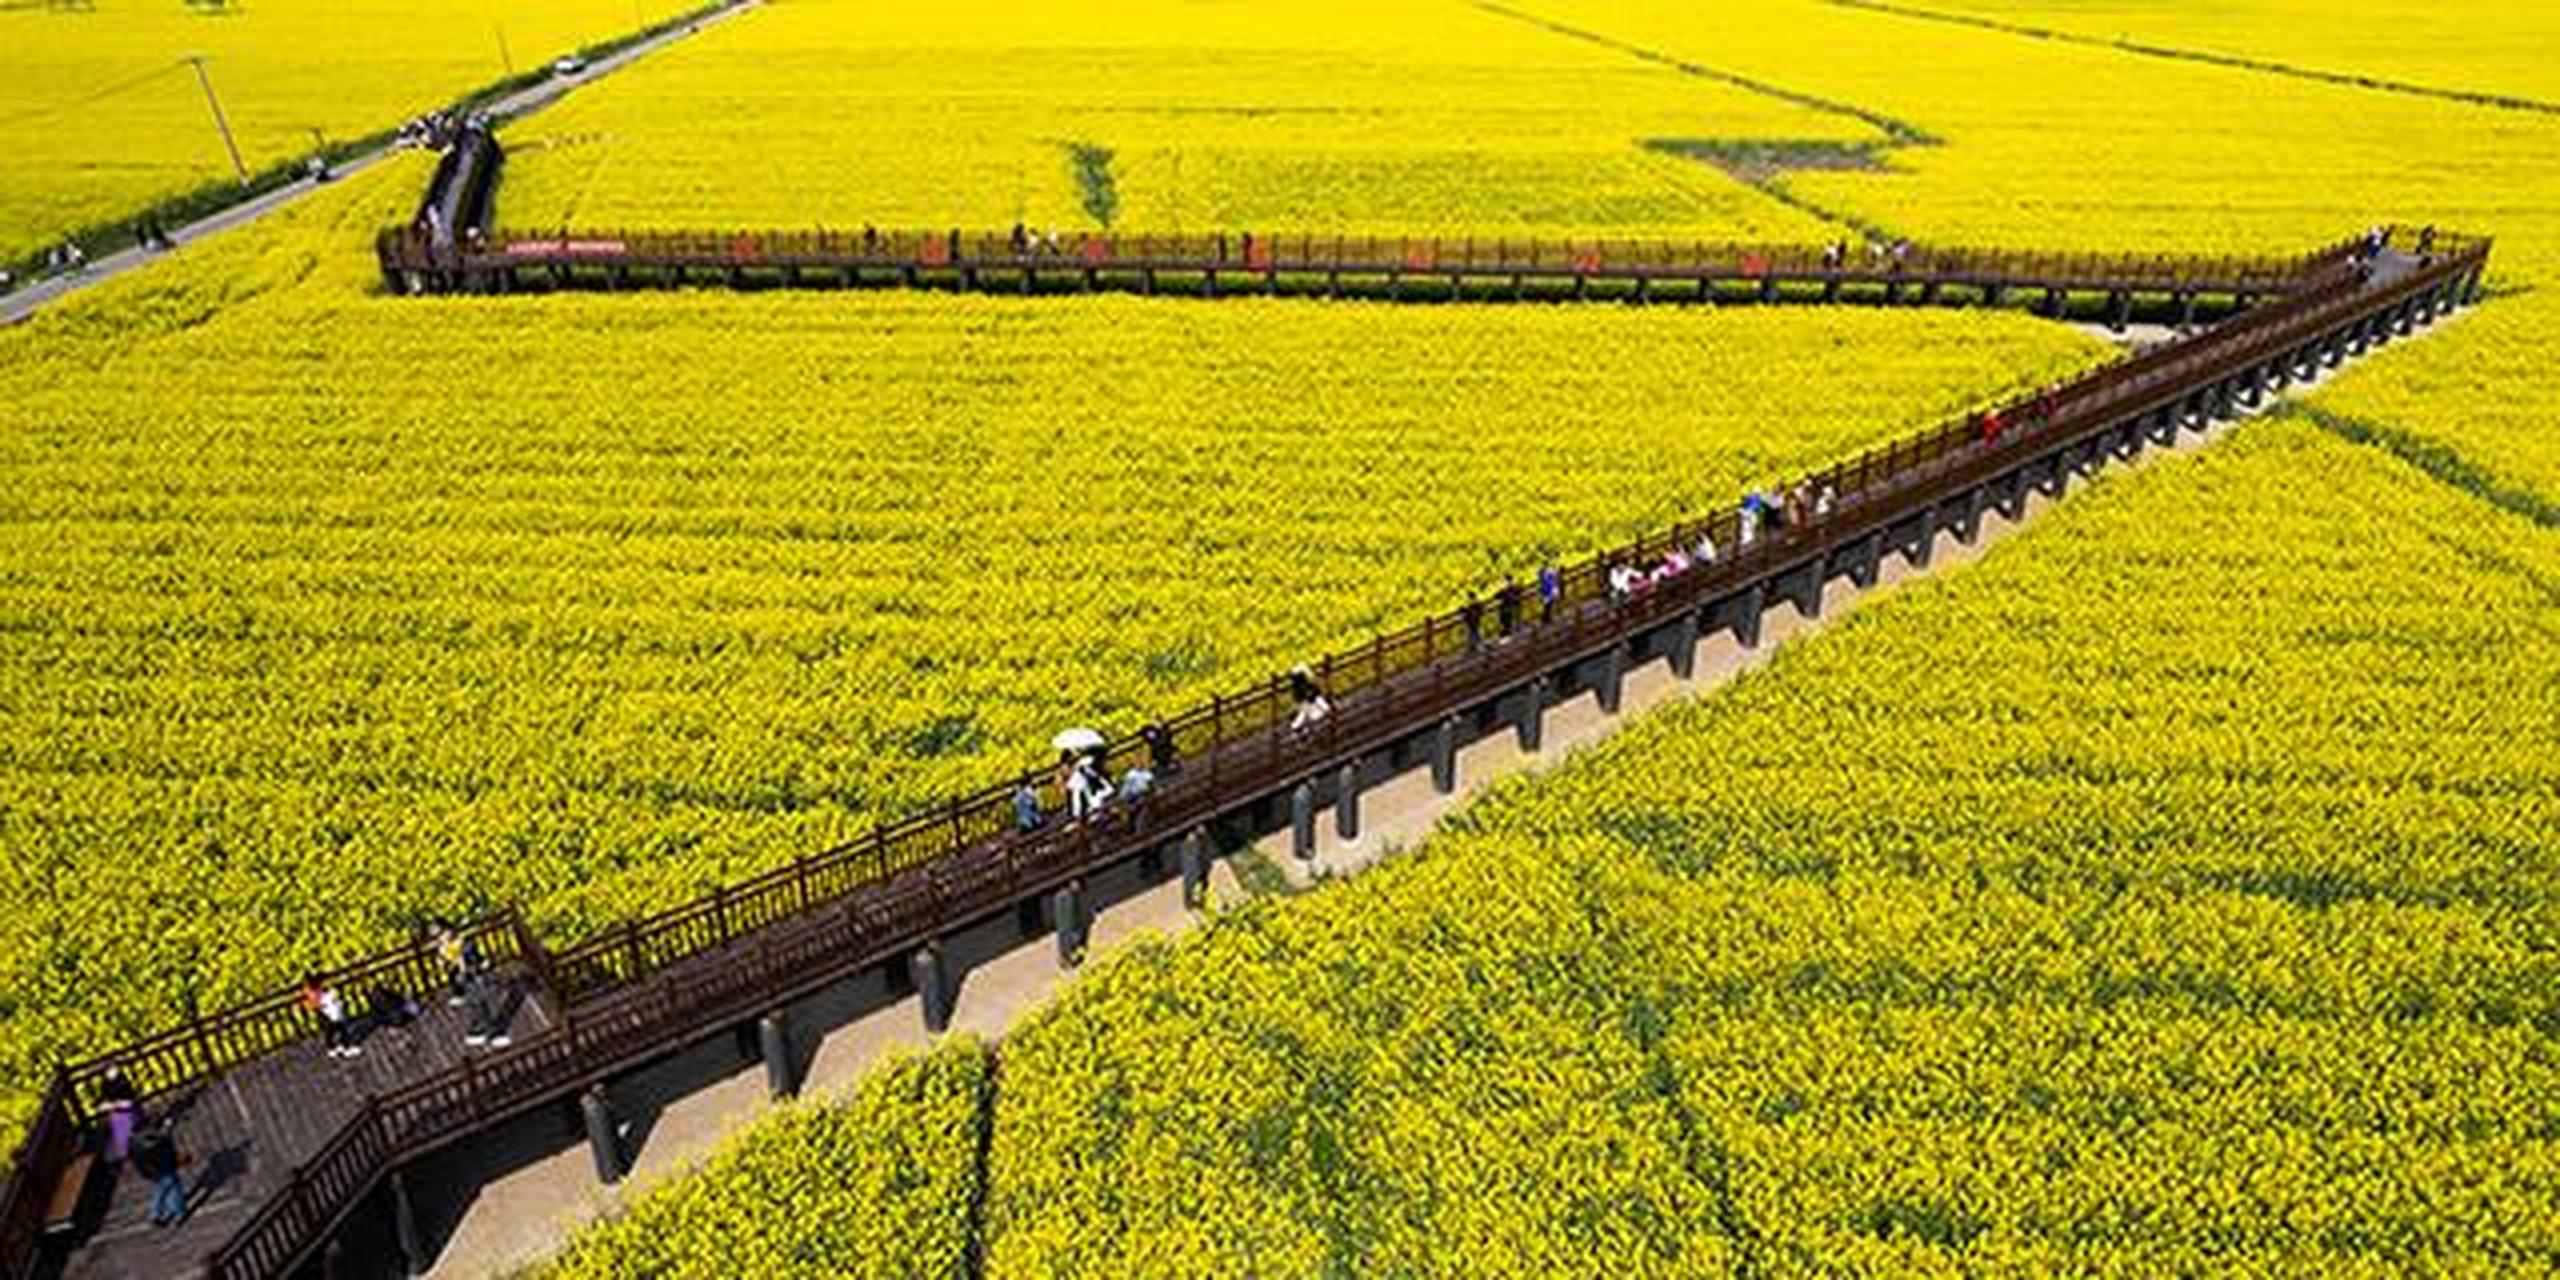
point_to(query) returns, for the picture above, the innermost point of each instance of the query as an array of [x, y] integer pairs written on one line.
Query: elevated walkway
[[306, 1141]]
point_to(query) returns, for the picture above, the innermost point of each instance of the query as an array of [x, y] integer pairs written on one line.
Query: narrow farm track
[[37, 294], [2237, 62], [611, 1007]]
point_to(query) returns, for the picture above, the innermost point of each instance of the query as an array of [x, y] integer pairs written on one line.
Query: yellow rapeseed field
[[593, 602], [1154, 115], [102, 117]]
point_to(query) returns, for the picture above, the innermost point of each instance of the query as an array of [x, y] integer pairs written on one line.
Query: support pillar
[[2013, 500], [2120, 309], [1194, 856], [604, 1141], [1924, 547], [1746, 619], [333, 1260], [1346, 801], [933, 986], [1444, 756], [1867, 560], [1609, 682], [1969, 516], [1075, 922], [1026, 917], [1809, 596], [773, 1036], [404, 1227], [2186, 311], [1532, 729], [1991, 294], [1684, 645], [1302, 821]]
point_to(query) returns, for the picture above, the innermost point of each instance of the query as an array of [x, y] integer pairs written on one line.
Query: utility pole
[[506, 59], [238, 170]]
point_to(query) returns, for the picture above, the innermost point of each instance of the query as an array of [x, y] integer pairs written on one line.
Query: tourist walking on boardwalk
[[460, 955], [1309, 697], [484, 1000], [1550, 590], [1161, 755], [1088, 789], [323, 1002], [156, 1160], [121, 1108], [1027, 816], [1506, 610], [1135, 786]]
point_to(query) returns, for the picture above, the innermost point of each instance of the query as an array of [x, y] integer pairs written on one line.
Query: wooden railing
[[408, 251], [211, 1044], [633, 991], [26, 1187]]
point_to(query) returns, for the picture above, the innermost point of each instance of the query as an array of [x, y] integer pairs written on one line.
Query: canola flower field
[[635, 622], [877, 1185], [2143, 936], [2199, 921], [104, 118], [1155, 115]]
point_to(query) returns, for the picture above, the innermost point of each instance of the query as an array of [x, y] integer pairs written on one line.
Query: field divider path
[[1284, 754]]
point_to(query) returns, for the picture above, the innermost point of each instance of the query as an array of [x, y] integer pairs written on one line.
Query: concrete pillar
[[773, 1036], [2186, 310], [1969, 515], [1075, 922], [1867, 560], [1532, 730], [2407, 311], [604, 1140], [1991, 294], [1026, 917], [1346, 801], [933, 986], [2120, 309], [1747, 609], [404, 1228], [1609, 679], [2164, 426], [333, 1260], [1302, 821], [1808, 596], [1444, 756], [2013, 497], [2053, 303], [1925, 547], [1684, 645], [1195, 867], [2058, 479]]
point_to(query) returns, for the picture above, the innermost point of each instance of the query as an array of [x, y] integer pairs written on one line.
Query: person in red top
[[1991, 426]]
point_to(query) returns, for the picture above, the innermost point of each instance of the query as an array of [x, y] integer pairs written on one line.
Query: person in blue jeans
[[155, 1157]]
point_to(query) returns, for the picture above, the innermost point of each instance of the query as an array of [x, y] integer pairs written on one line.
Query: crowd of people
[[131, 1133]]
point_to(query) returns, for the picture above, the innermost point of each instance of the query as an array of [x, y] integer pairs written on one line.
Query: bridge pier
[[1968, 524], [1532, 728], [404, 1227], [1302, 821], [1684, 645], [2013, 496], [1346, 800], [1831, 289], [1746, 615], [604, 1137], [932, 979], [1768, 288], [2053, 304], [1194, 857], [1075, 922], [1209, 283], [1807, 595], [1026, 917], [1444, 756], [2057, 475], [1991, 294], [1609, 679], [2186, 304], [1929, 293], [2120, 309], [1921, 549], [1867, 560], [773, 1037]]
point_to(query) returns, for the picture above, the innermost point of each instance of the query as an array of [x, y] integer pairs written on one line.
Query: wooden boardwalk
[[247, 1130], [289, 1142]]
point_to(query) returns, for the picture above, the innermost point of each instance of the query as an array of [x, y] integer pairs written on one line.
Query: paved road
[[33, 297]]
